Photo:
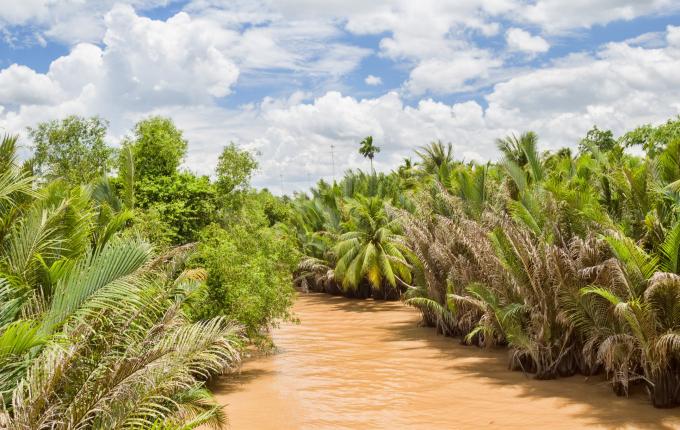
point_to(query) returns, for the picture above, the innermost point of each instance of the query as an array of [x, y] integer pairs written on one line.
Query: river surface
[[354, 364]]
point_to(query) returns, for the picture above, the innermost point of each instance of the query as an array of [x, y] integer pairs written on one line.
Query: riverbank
[[355, 364]]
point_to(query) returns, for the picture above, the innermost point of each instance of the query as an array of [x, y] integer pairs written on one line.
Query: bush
[[249, 274]]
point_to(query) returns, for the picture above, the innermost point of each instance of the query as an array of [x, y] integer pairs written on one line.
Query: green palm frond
[[670, 250], [98, 269]]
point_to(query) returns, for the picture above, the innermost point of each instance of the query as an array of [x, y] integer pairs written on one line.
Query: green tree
[[234, 170], [521, 161], [652, 139], [93, 327], [368, 149], [172, 207], [603, 140], [518, 149], [72, 149], [158, 147], [249, 268]]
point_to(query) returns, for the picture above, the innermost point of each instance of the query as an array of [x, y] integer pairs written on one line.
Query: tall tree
[[234, 170], [172, 206], [72, 149], [158, 147], [368, 150]]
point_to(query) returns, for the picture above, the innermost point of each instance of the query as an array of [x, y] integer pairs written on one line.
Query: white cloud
[[450, 76], [673, 36], [182, 66], [175, 61], [521, 40], [620, 87], [557, 16], [84, 65], [656, 39], [145, 64], [373, 80], [19, 12], [21, 85], [142, 65], [68, 21], [295, 139]]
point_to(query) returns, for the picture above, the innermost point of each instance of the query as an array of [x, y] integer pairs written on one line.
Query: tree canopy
[[73, 149], [234, 170], [158, 147], [368, 149]]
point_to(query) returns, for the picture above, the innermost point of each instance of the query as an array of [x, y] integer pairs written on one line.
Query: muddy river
[[353, 364]]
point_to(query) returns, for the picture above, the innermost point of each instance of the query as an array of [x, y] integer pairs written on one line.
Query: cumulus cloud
[[373, 80], [159, 62], [618, 87], [295, 139], [20, 12], [450, 76], [521, 40], [22, 85], [69, 21], [145, 64], [558, 16], [188, 65]]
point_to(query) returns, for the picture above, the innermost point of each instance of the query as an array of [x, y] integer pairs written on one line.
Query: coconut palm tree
[[518, 149], [649, 347], [368, 149], [371, 253], [521, 161]]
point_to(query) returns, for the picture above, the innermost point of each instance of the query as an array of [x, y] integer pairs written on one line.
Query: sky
[[293, 80]]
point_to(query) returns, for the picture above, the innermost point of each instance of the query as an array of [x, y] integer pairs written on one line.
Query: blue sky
[[288, 78]]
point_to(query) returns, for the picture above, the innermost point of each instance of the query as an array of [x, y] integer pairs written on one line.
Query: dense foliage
[[572, 261], [111, 315], [72, 149], [123, 290], [249, 266]]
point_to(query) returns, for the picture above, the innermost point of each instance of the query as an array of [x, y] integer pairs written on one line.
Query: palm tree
[[642, 291], [368, 150], [574, 264], [93, 331], [435, 155], [371, 251], [521, 160], [515, 148], [122, 350]]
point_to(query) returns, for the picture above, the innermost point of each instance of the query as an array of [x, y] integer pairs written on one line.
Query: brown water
[[367, 365]]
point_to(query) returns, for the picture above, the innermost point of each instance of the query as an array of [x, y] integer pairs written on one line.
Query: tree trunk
[[662, 389]]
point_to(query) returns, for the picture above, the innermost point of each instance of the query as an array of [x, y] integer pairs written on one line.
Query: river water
[[354, 364]]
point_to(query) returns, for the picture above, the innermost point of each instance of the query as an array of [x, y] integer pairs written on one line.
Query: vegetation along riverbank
[[570, 259], [125, 282], [128, 283]]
